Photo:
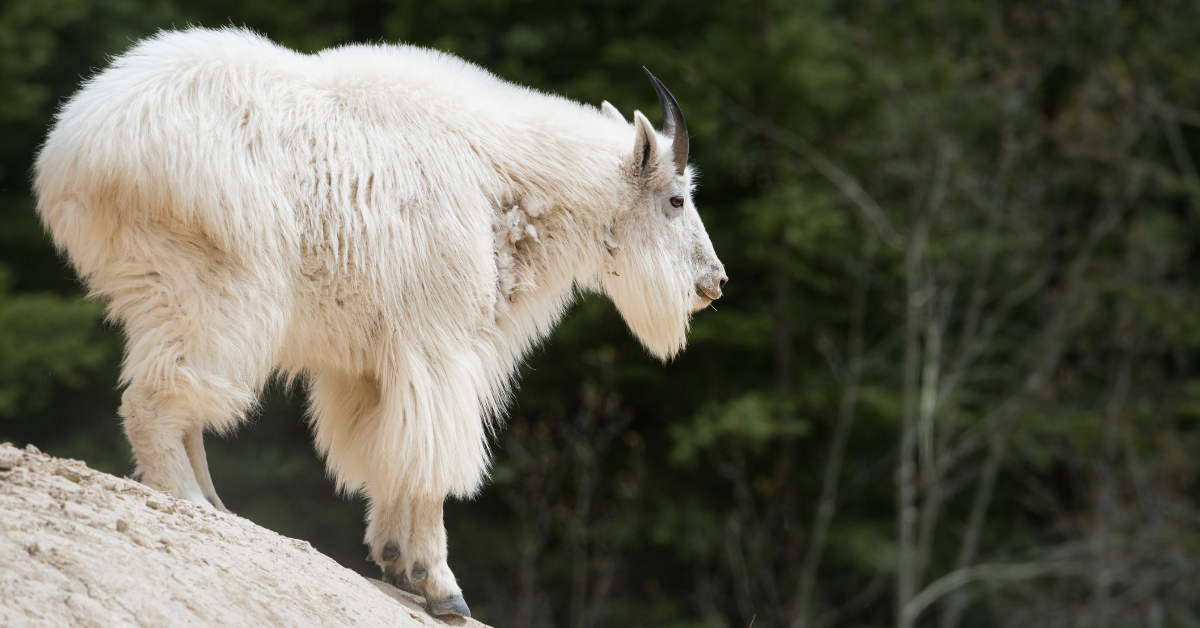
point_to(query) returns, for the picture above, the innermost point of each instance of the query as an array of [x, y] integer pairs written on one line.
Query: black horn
[[674, 125]]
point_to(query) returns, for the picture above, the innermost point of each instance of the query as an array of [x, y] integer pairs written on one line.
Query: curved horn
[[674, 125]]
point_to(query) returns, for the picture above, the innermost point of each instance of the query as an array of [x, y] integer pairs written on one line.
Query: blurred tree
[[44, 338]]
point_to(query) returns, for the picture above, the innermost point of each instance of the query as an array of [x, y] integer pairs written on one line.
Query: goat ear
[[612, 112], [645, 145]]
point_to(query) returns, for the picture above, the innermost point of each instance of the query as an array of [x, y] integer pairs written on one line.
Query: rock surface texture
[[83, 548]]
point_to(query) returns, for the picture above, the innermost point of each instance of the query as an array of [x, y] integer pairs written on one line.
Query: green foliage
[[747, 422], [28, 33], [45, 340]]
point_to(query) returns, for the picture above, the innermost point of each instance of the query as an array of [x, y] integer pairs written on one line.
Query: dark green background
[[962, 239]]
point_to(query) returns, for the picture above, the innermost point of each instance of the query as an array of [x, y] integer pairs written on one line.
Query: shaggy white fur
[[390, 224]]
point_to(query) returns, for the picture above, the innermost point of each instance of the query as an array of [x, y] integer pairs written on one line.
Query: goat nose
[[724, 279]]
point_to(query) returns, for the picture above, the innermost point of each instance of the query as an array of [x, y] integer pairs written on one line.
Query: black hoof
[[419, 572], [453, 605], [402, 582], [391, 551]]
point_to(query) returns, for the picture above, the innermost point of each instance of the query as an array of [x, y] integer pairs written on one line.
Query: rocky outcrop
[[83, 548]]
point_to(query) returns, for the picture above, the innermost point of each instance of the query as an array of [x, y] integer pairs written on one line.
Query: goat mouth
[[706, 295]]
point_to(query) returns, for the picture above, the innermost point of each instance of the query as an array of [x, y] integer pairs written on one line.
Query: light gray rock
[[84, 548]]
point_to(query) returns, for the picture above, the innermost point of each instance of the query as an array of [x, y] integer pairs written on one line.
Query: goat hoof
[[453, 605], [391, 551], [419, 572], [404, 584], [401, 581]]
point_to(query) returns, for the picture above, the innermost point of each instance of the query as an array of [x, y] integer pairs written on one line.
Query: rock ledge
[[83, 548]]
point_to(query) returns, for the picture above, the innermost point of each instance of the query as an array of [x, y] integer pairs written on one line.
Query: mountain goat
[[392, 225]]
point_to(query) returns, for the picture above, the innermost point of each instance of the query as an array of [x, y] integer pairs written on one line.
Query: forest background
[[952, 381]]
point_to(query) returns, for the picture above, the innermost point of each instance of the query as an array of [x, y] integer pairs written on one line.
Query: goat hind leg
[[156, 430], [165, 419], [193, 443]]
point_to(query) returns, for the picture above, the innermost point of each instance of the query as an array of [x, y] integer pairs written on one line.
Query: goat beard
[[656, 303]]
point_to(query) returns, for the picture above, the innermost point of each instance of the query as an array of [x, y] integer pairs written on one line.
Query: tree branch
[[827, 504], [845, 183], [994, 572]]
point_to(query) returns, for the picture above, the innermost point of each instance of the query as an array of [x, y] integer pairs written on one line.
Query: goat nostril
[[723, 280]]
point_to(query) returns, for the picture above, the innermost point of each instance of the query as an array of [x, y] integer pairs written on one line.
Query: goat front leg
[[389, 526], [408, 540]]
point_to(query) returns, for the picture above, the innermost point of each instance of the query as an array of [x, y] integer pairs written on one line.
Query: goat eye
[[676, 201]]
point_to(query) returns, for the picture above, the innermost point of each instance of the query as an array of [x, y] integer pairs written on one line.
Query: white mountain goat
[[389, 224]]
